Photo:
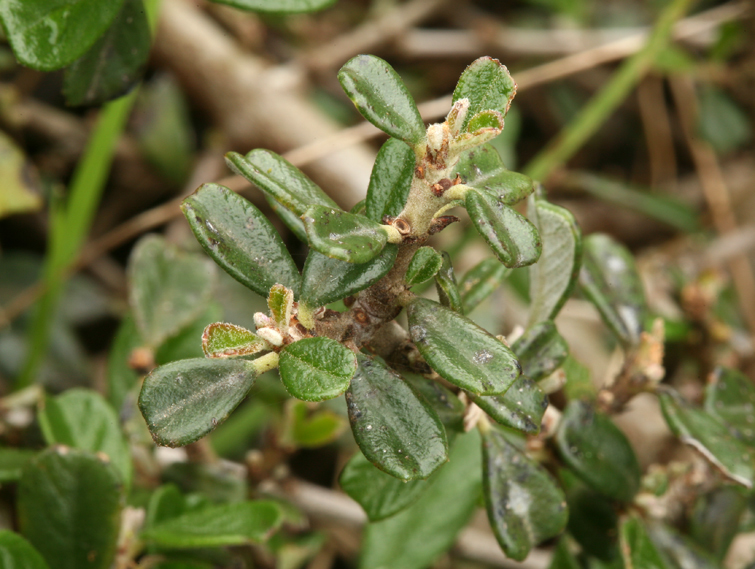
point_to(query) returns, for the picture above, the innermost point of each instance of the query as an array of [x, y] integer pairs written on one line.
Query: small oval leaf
[[487, 84], [445, 285], [315, 369], [223, 340], [390, 181], [637, 549], [481, 281], [483, 169], [17, 553], [521, 407], [344, 236], [423, 266], [541, 350]]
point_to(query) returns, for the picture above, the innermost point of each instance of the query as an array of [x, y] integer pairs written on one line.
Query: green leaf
[[598, 452], [485, 120], [487, 85], [611, 282], [722, 122], [381, 97], [344, 236], [399, 432], [445, 285], [114, 63], [50, 34], [390, 181], [280, 179], [525, 505], [592, 518], [240, 239], [481, 281], [184, 400], [289, 218], [315, 369], [223, 340], [449, 408], [512, 237], [553, 277], [521, 407], [69, 508], [19, 193], [121, 378], [415, 537], [730, 397], [169, 288], [12, 461], [637, 550], [380, 495], [481, 168], [17, 553], [344, 279], [279, 6], [541, 350], [423, 266], [679, 550], [563, 558], [227, 524], [185, 346], [311, 429], [705, 433], [165, 503], [715, 520], [81, 418], [281, 303], [459, 350]]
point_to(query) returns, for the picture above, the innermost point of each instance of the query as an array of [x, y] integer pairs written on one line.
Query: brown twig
[[657, 127]]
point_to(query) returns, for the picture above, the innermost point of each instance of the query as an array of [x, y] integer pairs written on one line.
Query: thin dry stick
[[657, 127], [716, 193]]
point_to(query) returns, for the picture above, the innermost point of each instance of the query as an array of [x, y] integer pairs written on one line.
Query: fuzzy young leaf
[[343, 278], [17, 553], [445, 285], [481, 281], [240, 239], [390, 181], [637, 549], [223, 340], [396, 430], [281, 303], [280, 179], [423, 266], [541, 350], [344, 236], [184, 400], [611, 282], [226, 524], [730, 397], [598, 452], [483, 169], [521, 407], [525, 505], [459, 350], [485, 120], [279, 6], [512, 237], [69, 508], [553, 277], [47, 35], [488, 86], [315, 369]]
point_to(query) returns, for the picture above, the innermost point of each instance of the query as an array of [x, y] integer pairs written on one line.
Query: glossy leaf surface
[[512, 237], [525, 505], [288, 217], [223, 340], [553, 277], [396, 430], [481, 281], [541, 350], [327, 280], [390, 181], [487, 85], [447, 405], [381, 97], [240, 239], [315, 369], [521, 407], [50, 34], [459, 350], [482, 168], [730, 396], [445, 285], [423, 266], [69, 506], [17, 553], [637, 548], [611, 282], [279, 6], [184, 400], [596, 450], [344, 236]]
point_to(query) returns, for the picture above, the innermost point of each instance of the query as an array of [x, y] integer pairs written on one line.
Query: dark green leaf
[[382, 98], [114, 63], [445, 285], [594, 447], [12, 461], [226, 524], [678, 549], [706, 434], [520, 408], [460, 351], [344, 279], [480, 281], [611, 282], [553, 277], [360, 208], [69, 506], [730, 396], [315, 369], [541, 350], [390, 181], [17, 553], [487, 85], [380, 495], [81, 418], [183, 401], [279, 6], [413, 538], [715, 520], [165, 503], [448, 407], [240, 239], [423, 266], [289, 218], [397, 431], [50, 34], [512, 237], [311, 429], [563, 558], [344, 236], [482, 169], [592, 518], [169, 288], [525, 505], [121, 378], [280, 179], [222, 340], [637, 549]]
